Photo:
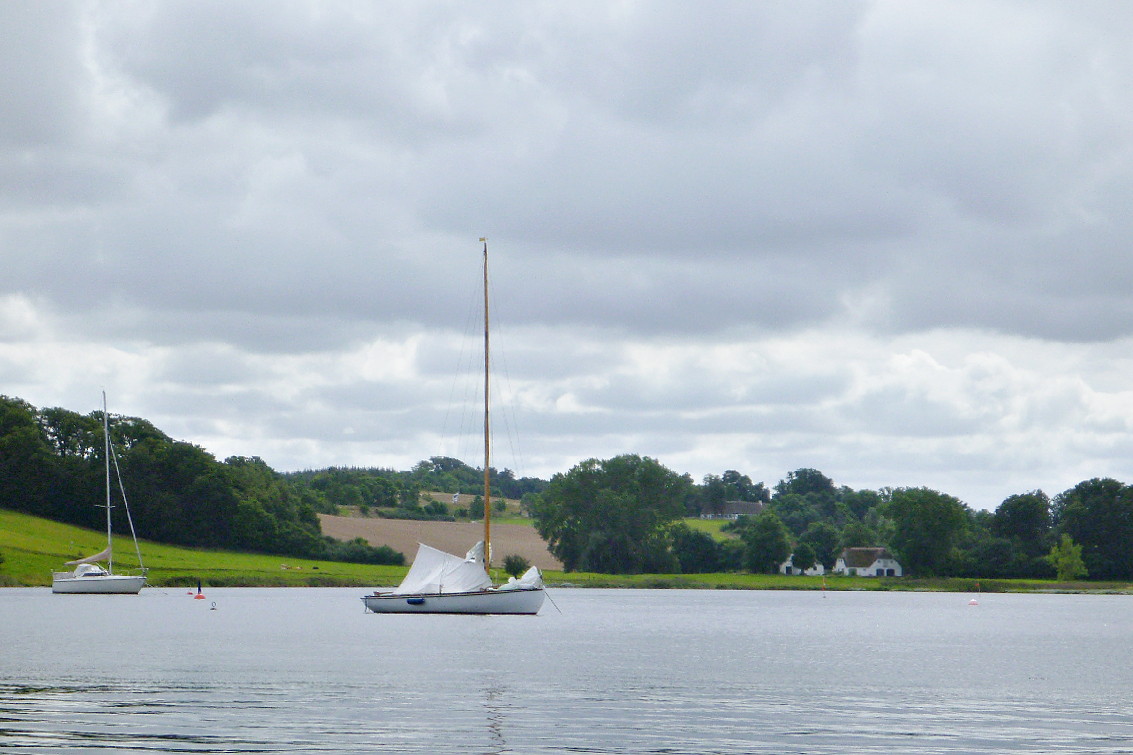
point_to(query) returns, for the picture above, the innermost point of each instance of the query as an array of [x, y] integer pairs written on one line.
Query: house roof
[[861, 557], [731, 508]]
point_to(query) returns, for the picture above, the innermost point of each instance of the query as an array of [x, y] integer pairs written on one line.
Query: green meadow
[[714, 527], [34, 547]]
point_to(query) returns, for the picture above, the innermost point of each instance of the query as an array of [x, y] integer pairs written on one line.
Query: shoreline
[[587, 581], [33, 548]]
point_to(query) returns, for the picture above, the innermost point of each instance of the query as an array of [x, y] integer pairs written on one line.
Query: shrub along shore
[[33, 547]]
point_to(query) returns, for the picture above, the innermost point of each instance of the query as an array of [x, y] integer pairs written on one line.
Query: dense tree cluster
[[52, 465], [587, 514], [613, 516], [398, 494]]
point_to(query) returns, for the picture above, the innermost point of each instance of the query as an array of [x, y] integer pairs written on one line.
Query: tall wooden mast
[[106, 450], [487, 427]]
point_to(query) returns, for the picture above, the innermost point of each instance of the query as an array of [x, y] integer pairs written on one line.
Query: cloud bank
[[885, 240]]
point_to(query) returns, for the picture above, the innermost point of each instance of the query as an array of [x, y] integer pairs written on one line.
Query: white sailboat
[[89, 576], [440, 582]]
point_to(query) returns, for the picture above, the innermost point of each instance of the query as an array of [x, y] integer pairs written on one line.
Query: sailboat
[[89, 576], [440, 582]]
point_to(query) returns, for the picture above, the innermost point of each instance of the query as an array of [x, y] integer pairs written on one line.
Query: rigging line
[[509, 416], [462, 381], [507, 408], [126, 505]]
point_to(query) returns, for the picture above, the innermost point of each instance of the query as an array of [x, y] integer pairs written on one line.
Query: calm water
[[617, 671]]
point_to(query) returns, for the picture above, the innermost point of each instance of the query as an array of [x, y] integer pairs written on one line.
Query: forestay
[[437, 572]]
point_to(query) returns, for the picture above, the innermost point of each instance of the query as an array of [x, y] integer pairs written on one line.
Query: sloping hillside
[[453, 537]]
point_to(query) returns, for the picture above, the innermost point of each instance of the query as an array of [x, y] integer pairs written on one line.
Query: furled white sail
[[435, 571], [103, 556], [531, 578]]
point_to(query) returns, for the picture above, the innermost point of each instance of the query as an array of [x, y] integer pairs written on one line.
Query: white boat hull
[[107, 584], [521, 602]]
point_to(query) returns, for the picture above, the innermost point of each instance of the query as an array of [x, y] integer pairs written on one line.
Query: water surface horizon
[[616, 671]]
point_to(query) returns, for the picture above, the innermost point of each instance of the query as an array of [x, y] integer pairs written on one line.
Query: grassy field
[[713, 527], [34, 547]]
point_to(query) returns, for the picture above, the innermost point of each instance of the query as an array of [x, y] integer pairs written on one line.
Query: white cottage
[[787, 567], [867, 562]]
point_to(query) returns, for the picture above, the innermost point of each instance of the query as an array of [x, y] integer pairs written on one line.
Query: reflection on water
[[622, 671], [496, 706], [68, 718]]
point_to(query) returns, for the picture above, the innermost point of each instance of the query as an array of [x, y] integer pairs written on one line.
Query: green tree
[[979, 553], [732, 554], [27, 465], [409, 496], [1025, 519], [803, 557], [516, 565], [71, 434], [805, 482], [612, 516], [860, 502], [767, 543], [527, 503], [1066, 558], [696, 551], [714, 494], [858, 535], [823, 539], [741, 488], [436, 509], [927, 525], [796, 511], [1098, 515]]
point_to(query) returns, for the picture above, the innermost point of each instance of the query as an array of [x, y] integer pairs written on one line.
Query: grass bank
[[34, 547], [730, 581]]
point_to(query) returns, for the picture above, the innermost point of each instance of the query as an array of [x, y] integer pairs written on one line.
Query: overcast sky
[[886, 240]]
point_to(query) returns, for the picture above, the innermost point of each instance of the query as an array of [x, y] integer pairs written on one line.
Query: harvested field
[[453, 537]]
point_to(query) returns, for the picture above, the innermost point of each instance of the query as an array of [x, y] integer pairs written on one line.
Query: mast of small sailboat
[[106, 441], [487, 427]]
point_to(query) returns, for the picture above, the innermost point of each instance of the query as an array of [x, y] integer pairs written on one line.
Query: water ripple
[[665, 672]]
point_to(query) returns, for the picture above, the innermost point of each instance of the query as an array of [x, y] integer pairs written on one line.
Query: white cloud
[[885, 240]]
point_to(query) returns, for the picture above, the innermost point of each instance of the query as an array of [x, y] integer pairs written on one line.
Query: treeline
[[623, 515], [1086, 531], [388, 492], [52, 464]]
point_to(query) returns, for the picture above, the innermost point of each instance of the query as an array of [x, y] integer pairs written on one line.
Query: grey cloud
[[232, 213]]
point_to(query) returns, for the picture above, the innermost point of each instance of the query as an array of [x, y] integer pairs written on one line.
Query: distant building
[[867, 562], [736, 509], [787, 567]]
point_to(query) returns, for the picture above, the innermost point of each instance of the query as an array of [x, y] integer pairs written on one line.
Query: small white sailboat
[[89, 576], [440, 582]]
